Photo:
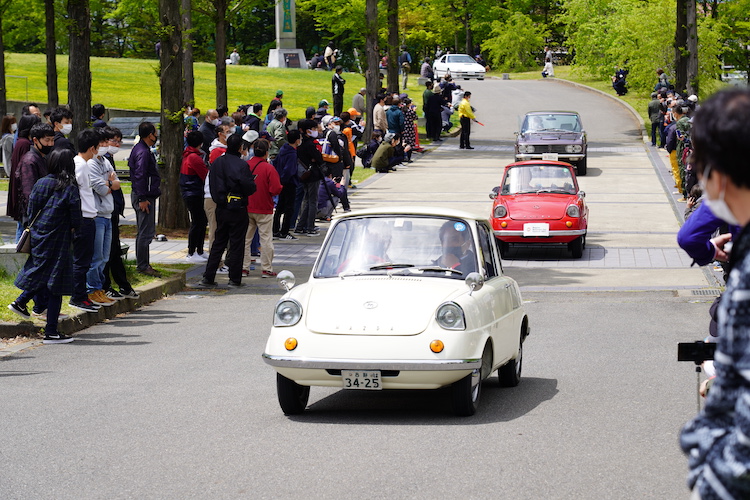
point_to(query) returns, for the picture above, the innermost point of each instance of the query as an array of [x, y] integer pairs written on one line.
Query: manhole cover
[[704, 291]]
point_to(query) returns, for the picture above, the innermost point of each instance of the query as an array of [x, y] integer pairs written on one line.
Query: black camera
[[697, 352]]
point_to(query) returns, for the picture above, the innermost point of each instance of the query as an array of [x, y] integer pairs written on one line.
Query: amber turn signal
[[503, 224], [437, 346], [568, 223], [290, 344]]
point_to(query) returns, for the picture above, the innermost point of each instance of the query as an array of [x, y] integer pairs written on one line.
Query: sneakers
[[43, 315], [19, 309], [289, 237], [299, 231], [57, 338], [268, 274], [129, 294], [97, 297], [222, 270], [276, 236], [150, 271], [235, 284], [84, 305], [245, 272], [114, 294], [204, 283], [197, 258]]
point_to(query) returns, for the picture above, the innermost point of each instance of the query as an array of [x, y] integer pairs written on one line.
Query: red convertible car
[[539, 202]]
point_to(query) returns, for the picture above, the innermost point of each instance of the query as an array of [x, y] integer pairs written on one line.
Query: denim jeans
[[83, 252], [102, 247]]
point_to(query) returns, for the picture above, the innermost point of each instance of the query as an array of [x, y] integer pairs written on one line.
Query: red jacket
[[268, 186], [193, 172]]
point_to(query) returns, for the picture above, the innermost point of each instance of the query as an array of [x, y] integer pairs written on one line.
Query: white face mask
[[719, 206], [113, 150], [13, 127], [216, 122], [313, 133], [103, 150], [336, 128], [67, 128]]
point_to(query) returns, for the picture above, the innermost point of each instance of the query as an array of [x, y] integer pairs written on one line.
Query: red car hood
[[537, 206]]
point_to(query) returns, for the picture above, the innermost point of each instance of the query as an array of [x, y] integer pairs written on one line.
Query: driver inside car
[[455, 243]]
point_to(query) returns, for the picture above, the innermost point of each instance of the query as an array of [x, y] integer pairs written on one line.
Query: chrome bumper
[[560, 156], [373, 364], [572, 232]]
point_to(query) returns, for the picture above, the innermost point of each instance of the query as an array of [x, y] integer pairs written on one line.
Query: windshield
[[551, 122], [462, 58], [406, 245], [538, 179]]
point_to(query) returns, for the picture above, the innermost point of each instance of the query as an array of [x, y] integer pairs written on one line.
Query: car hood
[[537, 206], [377, 305], [545, 137]]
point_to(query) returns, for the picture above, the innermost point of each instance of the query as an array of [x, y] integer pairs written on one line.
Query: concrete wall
[[15, 107]]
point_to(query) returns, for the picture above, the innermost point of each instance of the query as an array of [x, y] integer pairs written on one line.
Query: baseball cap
[[250, 136], [693, 98], [323, 103], [336, 119], [326, 120], [279, 93], [353, 112]]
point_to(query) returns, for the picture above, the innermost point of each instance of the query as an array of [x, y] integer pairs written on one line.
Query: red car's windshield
[[538, 179]]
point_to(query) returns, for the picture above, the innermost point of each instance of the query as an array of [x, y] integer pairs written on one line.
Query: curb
[[80, 320]]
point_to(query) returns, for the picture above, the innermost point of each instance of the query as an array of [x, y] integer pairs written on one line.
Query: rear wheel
[[292, 396], [509, 375], [576, 247], [581, 167]]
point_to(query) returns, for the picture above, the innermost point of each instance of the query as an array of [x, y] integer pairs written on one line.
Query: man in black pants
[[466, 115], [231, 183]]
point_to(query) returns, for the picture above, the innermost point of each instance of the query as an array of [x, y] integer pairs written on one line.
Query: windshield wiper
[[389, 265], [438, 269]]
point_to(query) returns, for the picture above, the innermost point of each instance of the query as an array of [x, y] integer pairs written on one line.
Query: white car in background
[[400, 298], [459, 66]]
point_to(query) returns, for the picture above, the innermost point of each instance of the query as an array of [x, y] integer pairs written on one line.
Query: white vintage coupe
[[402, 298]]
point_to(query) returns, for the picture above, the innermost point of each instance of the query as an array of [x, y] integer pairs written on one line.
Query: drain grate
[[705, 291]]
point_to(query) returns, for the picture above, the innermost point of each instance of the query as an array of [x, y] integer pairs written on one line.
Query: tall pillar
[[286, 54]]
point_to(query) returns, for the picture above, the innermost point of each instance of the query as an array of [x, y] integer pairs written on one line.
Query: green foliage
[[514, 43]]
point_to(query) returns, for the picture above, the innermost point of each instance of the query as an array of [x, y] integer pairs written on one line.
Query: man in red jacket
[[260, 208]]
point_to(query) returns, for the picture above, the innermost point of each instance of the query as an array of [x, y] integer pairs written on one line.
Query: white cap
[[250, 136], [326, 120], [693, 98]]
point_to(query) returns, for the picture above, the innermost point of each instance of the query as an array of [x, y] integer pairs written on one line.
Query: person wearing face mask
[[332, 127], [33, 166], [146, 188], [22, 146], [311, 173], [208, 129], [455, 240], [219, 145], [716, 441], [103, 181], [62, 120], [7, 130], [277, 130], [286, 166]]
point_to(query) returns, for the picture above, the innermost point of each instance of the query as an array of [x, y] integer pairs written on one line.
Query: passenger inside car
[[455, 241]]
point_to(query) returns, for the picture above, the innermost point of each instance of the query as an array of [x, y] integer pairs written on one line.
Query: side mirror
[[474, 281], [286, 280], [494, 192], [582, 194]]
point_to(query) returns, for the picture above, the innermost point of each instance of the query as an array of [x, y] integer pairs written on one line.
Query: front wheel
[[466, 393], [509, 375], [292, 396], [576, 247], [581, 167]]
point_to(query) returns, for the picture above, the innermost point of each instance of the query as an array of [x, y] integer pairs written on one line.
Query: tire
[[292, 396], [466, 391], [576, 247], [480, 79], [504, 249], [581, 167], [509, 375]]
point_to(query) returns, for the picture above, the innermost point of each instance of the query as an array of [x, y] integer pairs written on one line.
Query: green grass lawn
[[9, 293], [133, 84]]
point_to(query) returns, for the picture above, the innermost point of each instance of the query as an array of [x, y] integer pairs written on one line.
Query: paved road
[[173, 401]]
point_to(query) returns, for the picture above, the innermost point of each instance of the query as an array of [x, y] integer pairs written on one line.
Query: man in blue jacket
[[146, 182], [286, 166], [395, 117]]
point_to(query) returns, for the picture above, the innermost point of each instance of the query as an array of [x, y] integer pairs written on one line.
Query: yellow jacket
[[464, 109]]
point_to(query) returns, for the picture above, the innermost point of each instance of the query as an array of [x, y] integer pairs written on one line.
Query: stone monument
[[286, 54]]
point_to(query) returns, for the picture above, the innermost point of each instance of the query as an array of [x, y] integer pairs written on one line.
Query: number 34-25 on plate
[[358, 379]]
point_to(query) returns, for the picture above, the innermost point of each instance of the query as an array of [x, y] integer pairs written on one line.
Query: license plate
[[359, 379], [549, 156], [536, 229]]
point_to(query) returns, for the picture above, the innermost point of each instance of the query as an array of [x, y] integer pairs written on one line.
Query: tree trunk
[[79, 72], [3, 93], [221, 52], [172, 212], [187, 53], [372, 75], [51, 48], [680, 48], [467, 29], [393, 48], [692, 48]]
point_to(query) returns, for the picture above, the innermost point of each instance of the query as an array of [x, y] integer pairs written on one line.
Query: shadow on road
[[412, 407]]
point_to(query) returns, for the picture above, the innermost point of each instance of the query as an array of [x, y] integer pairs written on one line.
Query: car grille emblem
[[370, 304], [536, 207]]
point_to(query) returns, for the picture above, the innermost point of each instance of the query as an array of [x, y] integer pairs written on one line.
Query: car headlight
[[288, 313], [573, 211], [525, 149], [450, 316], [500, 211], [573, 148]]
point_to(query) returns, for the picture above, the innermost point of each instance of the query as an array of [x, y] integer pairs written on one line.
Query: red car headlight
[[573, 211], [500, 211]]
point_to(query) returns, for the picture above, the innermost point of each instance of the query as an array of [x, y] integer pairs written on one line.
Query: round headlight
[[525, 149], [288, 313], [573, 211], [450, 316], [500, 211], [573, 148]]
